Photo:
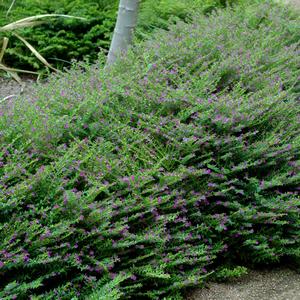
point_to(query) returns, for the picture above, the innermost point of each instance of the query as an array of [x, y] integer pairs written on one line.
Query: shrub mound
[[179, 164]]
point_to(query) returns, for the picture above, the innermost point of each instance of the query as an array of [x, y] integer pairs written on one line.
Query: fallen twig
[[8, 97]]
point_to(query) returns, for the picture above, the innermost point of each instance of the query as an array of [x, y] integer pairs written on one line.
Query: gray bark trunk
[[126, 22]]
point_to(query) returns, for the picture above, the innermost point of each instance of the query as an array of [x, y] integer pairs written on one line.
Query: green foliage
[[178, 165], [155, 13], [11, 29], [60, 41], [227, 273]]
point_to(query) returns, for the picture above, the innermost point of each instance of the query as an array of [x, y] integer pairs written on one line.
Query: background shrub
[[179, 165], [61, 40]]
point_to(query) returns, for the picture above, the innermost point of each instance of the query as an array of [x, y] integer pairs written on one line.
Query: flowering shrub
[[179, 164]]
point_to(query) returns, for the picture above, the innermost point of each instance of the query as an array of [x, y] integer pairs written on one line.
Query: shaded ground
[[10, 88], [295, 3], [276, 284]]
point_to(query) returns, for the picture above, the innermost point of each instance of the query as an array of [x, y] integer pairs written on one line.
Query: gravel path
[[10, 88], [276, 284], [295, 3]]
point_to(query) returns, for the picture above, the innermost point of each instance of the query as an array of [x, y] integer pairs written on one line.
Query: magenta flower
[[133, 277]]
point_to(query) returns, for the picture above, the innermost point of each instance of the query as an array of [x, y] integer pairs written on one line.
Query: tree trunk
[[126, 22]]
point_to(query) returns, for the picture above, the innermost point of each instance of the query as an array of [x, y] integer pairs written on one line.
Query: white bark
[[126, 22]]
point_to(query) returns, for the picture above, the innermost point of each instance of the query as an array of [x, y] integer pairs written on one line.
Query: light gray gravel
[[276, 284], [10, 88], [294, 3]]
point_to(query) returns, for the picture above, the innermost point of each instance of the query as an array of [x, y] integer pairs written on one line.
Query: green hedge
[[178, 165], [62, 40]]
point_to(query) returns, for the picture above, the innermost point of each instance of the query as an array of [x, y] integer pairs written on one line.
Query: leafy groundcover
[[178, 165]]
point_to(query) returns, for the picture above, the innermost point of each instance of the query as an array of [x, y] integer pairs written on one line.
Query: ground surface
[[276, 284], [295, 3], [10, 88]]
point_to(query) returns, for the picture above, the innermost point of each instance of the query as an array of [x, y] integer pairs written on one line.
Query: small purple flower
[[133, 277], [262, 184], [125, 180], [98, 269], [78, 259]]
